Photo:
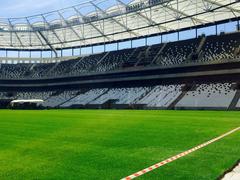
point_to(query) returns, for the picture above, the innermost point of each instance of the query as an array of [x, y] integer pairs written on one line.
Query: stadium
[[122, 89]]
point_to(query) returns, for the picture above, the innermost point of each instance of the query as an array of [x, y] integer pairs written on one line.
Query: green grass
[[68, 144]]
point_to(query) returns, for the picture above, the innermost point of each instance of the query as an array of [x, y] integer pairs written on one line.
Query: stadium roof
[[102, 21]]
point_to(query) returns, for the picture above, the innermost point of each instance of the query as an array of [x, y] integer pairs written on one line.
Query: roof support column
[[48, 43]]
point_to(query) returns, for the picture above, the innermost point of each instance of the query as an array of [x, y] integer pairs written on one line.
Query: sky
[[22, 8]]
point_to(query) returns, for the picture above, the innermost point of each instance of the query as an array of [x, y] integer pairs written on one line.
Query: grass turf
[[68, 144]]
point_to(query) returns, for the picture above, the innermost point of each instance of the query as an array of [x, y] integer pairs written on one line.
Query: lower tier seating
[[238, 104], [214, 95], [208, 95]]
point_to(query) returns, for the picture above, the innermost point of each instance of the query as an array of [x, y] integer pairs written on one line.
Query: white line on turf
[[171, 159]]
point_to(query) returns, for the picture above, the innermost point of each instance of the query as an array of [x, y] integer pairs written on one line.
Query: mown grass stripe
[[174, 158]]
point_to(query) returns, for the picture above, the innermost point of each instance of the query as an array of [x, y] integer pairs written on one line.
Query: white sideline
[[171, 159]]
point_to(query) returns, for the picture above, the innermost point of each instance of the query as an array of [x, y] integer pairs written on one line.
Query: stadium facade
[[166, 54]]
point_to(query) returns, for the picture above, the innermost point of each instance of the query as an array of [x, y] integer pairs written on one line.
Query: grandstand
[[125, 54], [215, 51]]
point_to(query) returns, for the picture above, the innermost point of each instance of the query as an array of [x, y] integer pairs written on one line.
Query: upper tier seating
[[212, 49], [177, 52], [218, 48], [39, 70], [13, 71]]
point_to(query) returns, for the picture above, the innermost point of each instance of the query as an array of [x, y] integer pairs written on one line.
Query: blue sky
[[21, 8]]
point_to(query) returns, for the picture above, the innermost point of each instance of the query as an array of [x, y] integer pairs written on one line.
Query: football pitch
[[112, 144]]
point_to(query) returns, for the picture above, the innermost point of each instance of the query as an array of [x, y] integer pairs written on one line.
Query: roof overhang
[[119, 22]]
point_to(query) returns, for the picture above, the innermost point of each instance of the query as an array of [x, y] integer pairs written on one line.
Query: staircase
[[201, 44], [99, 62], [235, 100], [237, 52], [185, 89], [197, 54], [158, 54], [78, 61], [127, 61], [55, 65], [143, 56], [75, 95], [94, 67], [143, 95], [99, 96]]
